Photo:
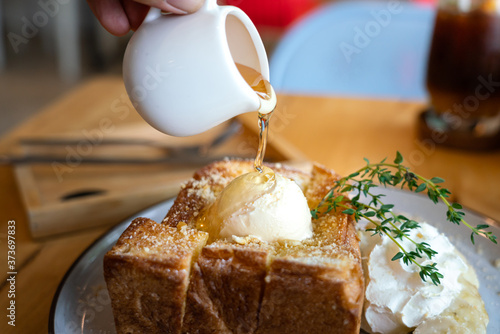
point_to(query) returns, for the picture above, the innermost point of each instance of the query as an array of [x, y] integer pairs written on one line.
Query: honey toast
[[241, 285]]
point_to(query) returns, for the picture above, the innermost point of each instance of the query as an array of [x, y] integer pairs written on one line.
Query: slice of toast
[[244, 285], [227, 286], [147, 275]]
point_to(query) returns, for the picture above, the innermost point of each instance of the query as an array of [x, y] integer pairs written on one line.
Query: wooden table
[[336, 132]]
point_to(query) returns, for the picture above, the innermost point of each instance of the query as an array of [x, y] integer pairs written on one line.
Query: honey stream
[[265, 92], [248, 187]]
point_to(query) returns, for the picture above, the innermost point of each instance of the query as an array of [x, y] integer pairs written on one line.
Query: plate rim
[[55, 299]]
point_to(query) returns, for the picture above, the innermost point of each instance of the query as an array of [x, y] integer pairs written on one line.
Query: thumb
[[175, 6]]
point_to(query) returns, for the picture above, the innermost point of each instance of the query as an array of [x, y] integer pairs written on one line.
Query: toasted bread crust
[[233, 280], [309, 299], [202, 317]]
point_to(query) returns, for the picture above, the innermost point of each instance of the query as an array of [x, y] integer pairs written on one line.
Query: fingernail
[[166, 7], [187, 6]]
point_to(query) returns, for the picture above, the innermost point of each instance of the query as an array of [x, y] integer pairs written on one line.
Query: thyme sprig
[[385, 221]]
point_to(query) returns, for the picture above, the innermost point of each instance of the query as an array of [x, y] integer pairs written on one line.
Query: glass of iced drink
[[463, 76]]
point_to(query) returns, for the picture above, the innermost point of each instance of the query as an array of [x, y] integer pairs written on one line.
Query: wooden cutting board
[[69, 194]]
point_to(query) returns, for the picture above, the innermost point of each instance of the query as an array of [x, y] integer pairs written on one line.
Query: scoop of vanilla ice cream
[[281, 213], [396, 299], [268, 206]]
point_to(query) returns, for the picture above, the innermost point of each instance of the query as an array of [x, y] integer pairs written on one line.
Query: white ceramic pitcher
[[180, 72]]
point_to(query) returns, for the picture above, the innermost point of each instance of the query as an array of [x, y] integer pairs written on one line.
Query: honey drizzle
[[264, 90], [263, 133]]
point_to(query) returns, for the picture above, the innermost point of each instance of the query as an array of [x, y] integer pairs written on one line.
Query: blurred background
[[47, 48], [50, 46]]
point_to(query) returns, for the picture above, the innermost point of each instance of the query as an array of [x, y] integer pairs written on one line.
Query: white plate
[[82, 305]]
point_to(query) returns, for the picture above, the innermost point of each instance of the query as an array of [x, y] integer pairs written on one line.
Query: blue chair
[[357, 49]]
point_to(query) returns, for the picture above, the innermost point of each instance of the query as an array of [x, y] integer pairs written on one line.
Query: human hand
[[119, 16]]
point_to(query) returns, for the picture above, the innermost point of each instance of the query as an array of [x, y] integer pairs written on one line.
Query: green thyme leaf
[[421, 187], [348, 211], [397, 256], [399, 158], [436, 180]]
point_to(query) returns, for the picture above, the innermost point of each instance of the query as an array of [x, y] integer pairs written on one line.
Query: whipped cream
[[265, 205], [396, 299]]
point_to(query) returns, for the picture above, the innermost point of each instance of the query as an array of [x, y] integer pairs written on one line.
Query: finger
[[111, 15], [136, 12], [175, 6], [189, 6]]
